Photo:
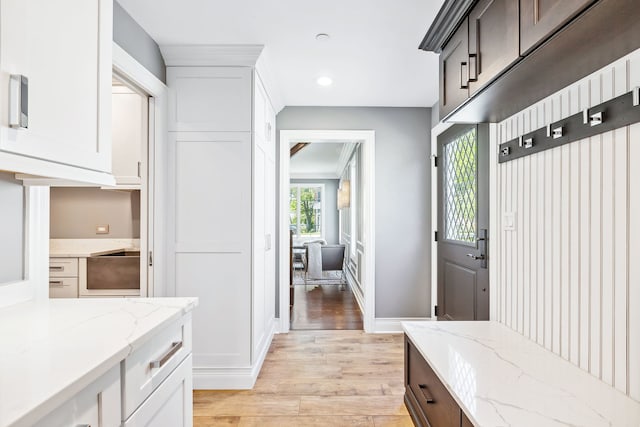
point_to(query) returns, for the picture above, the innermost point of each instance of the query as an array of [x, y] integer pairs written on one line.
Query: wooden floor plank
[[317, 378]]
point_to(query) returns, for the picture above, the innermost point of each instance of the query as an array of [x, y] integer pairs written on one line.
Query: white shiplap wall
[[568, 276]]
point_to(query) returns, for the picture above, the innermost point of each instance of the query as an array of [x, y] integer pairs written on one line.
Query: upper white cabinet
[[63, 48], [129, 131], [209, 99]]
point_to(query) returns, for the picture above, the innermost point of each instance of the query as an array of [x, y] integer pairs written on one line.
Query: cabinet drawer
[[171, 404], [63, 267], [63, 287], [147, 367], [437, 405]]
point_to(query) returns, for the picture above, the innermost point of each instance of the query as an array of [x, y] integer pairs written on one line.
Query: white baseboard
[[233, 378], [390, 325]]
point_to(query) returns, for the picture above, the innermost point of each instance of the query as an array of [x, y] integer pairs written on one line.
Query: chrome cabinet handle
[[464, 75], [159, 363], [481, 256], [55, 283], [56, 268]]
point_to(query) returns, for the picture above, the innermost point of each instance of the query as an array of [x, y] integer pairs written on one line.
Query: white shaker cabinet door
[[209, 99], [129, 130], [170, 405], [98, 404], [63, 48]]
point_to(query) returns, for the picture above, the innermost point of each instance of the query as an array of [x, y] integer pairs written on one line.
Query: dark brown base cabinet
[[427, 399]]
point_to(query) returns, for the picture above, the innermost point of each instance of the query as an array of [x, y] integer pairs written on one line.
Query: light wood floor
[[317, 378], [324, 307]]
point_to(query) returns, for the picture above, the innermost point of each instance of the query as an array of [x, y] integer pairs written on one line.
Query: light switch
[[509, 221], [102, 229]]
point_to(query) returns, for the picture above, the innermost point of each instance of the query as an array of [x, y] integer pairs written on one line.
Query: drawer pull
[[55, 283], [56, 268], [83, 425], [426, 394], [159, 363]]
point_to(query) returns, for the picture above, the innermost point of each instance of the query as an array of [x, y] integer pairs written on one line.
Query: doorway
[[361, 283], [463, 223], [321, 236]]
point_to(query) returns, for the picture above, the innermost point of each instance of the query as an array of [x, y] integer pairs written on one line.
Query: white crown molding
[[211, 55]]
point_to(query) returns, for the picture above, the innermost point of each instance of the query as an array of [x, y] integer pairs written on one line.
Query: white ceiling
[[372, 54], [318, 160]]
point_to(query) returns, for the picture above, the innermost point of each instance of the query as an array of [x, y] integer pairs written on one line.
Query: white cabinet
[[98, 404], [209, 99], [64, 49], [264, 221], [129, 130], [170, 405], [63, 278], [222, 233]]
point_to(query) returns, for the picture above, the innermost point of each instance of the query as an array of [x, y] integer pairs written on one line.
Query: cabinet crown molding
[[211, 55], [447, 20]]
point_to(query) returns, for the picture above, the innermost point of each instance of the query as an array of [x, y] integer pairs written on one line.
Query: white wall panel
[[567, 275]]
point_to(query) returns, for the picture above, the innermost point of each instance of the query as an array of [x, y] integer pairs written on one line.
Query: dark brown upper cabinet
[[493, 40], [454, 70], [541, 18]]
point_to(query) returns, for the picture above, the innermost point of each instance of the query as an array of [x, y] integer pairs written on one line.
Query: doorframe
[[436, 131], [153, 243], [367, 138]]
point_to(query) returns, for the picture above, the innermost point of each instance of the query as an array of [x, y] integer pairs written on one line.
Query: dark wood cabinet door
[[493, 40], [454, 71], [541, 18], [464, 421]]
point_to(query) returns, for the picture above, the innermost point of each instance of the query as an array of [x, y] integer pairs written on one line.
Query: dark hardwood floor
[[324, 307]]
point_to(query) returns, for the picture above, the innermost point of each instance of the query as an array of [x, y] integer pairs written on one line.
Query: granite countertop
[[53, 349], [500, 378]]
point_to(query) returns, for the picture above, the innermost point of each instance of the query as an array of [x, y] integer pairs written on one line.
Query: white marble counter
[[53, 349], [84, 248], [500, 378]]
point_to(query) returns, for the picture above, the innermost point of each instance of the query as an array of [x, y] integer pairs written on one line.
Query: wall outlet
[[102, 229], [509, 221]]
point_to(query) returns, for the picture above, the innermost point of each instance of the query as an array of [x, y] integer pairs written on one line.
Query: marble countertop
[[53, 349], [84, 248], [500, 378]]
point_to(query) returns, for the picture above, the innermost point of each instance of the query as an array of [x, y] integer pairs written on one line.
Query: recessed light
[[324, 81], [322, 37]]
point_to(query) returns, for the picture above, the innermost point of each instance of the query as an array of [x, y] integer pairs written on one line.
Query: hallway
[[325, 307], [317, 378]]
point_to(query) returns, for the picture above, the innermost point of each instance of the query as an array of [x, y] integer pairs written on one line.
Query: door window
[[461, 188]]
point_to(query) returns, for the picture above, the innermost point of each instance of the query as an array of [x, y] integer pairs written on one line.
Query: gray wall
[[11, 229], [134, 39], [435, 113], [331, 214], [403, 197], [75, 213]]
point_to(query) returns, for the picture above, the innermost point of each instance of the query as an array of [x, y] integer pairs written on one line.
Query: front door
[[463, 223]]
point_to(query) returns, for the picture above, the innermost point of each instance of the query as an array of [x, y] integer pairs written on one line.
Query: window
[[460, 188], [306, 211]]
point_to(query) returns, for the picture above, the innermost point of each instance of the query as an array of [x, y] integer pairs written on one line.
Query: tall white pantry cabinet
[[222, 211]]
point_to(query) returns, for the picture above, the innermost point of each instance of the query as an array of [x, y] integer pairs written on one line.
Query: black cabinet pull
[[426, 394]]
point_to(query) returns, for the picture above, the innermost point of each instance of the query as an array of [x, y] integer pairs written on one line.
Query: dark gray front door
[[463, 223]]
